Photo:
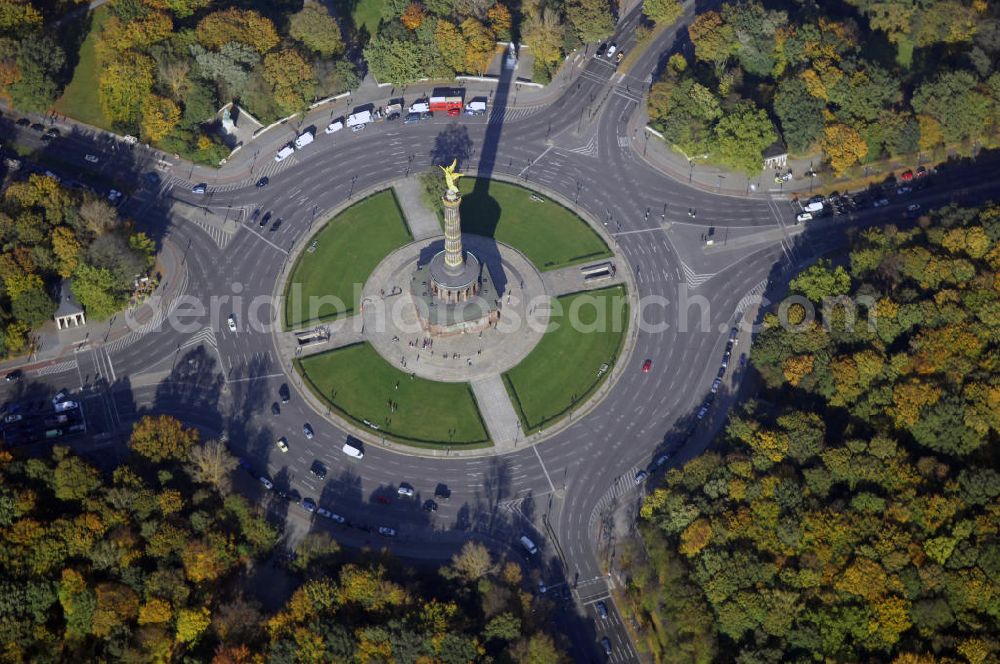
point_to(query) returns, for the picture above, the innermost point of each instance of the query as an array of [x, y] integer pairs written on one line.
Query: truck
[[361, 118], [476, 107], [393, 110], [451, 105], [305, 139], [284, 153]]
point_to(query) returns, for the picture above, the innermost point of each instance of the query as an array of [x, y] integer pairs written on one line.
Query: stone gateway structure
[[454, 292]]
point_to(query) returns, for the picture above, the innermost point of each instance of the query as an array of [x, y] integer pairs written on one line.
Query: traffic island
[[451, 343]]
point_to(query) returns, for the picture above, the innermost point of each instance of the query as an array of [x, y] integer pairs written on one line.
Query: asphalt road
[[560, 491]]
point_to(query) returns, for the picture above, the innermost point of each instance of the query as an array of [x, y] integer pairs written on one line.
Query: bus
[[599, 271]]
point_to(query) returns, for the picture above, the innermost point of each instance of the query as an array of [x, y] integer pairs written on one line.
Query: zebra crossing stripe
[[205, 335], [61, 367]]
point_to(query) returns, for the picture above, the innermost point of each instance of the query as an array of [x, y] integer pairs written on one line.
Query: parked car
[[882, 202], [92, 158], [276, 225], [266, 482], [275, 409], [442, 492], [318, 469], [602, 609], [38, 127], [284, 393], [14, 376], [716, 384], [334, 127], [199, 188], [309, 505], [606, 645], [307, 431], [263, 181], [411, 118], [646, 366], [263, 220], [232, 323], [282, 444], [430, 506], [802, 217], [23, 122], [640, 477], [386, 531], [906, 176], [611, 50], [405, 490]]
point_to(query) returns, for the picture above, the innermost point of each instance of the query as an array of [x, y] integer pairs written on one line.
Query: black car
[[284, 393], [52, 132], [276, 225], [318, 469], [38, 127], [14, 375], [263, 181], [275, 409], [47, 137], [392, 116], [602, 609], [263, 220], [430, 506], [152, 179], [442, 492], [23, 122]]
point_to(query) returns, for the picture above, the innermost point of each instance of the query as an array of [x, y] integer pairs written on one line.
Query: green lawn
[[360, 384], [348, 249], [367, 14], [79, 99], [562, 370], [547, 233]]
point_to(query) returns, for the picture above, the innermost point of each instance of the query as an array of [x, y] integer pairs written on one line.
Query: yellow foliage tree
[[931, 134], [155, 610], [908, 398], [67, 250], [797, 367], [695, 537], [499, 19], [191, 623], [844, 146], [239, 25], [159, 116]]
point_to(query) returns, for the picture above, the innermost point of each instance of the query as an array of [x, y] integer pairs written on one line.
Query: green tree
[[741, 136], [316, 30], [820, 281], [123, 84], [40, 62], [662, 11], [33, 306], [395, 61], [590, 18], [505, 627], [237, 25], [952, 99], [800, 113], [96, 290]]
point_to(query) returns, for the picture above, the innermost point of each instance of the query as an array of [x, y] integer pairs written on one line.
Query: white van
[[362, 118], [421, 107], [352, 450], [284, 153], [475, 108], [334, 127], [815, 206], [528, 545], [304, 140]]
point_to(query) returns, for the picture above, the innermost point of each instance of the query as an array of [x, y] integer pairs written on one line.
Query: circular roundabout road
[[582, 149]]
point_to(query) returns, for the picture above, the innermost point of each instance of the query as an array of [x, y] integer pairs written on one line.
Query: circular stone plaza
[[450, 342]]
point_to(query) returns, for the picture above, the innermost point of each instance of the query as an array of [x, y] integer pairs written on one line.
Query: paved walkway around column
[[423, 223], [497, 411]]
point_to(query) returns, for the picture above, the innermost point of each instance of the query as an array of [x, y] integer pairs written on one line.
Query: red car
[[384, 500], [646, 366], [906, 176]]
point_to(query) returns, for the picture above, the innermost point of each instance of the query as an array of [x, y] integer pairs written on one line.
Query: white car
[[803, 216], [334, 127], [282, 444], [386, 531], [92, 158], [405, 490], [266, 482], [232, 323], [611, 50], [327, 514]]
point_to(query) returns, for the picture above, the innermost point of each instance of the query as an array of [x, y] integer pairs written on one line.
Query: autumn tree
[[741, 137], [843, 146], [159, 116], [237, 25], [590, 18], [472, 562], [212, 464], [291, 80], [500, 20], [124, 84], [161, 437], [662, 11], [413, 16]]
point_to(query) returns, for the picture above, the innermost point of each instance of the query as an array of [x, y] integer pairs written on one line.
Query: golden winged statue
[[451, 176]]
